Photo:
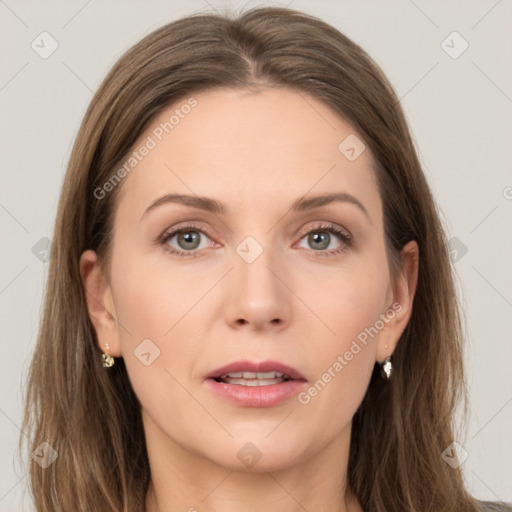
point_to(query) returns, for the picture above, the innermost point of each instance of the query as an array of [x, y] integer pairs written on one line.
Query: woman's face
[[272, 277]]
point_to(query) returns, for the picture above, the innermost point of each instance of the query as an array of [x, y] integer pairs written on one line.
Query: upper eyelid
[[183, 226]]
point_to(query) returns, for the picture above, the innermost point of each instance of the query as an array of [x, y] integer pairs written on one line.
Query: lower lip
[[257, 396]]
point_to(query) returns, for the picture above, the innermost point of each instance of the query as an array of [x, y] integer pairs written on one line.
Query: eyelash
[[344, 235]]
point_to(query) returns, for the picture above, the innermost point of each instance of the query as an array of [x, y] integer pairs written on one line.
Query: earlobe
[[100, 303], [400, 311]]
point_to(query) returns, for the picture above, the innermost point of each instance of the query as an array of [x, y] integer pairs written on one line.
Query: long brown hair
[[92, 417]]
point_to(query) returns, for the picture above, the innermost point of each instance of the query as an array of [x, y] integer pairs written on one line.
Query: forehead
[[249, 149]]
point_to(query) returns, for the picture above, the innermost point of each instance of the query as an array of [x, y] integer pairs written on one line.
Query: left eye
[[320, 239]]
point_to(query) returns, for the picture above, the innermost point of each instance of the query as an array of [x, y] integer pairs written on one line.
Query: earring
[[386, 368], [107, 359]]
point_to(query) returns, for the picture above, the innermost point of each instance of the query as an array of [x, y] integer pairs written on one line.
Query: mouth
[[250, 373], [250, 384], [253, 378]]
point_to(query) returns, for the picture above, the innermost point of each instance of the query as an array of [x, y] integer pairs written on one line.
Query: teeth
[[254, 378], [268, 375], [252, 382], [252, 375], [235, 375]]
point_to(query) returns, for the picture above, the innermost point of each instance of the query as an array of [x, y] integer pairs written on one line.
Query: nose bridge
[[255, 266], [258, 295]]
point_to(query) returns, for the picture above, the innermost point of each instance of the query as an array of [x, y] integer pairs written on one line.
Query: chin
[[258, 454]]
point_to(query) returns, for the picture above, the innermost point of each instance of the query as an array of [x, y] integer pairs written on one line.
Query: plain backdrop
[[458, 102]]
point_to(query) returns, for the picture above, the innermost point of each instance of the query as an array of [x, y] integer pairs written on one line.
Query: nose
[[259, 298]]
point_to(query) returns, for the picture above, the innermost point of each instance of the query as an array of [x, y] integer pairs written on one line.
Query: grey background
[[459, 111]]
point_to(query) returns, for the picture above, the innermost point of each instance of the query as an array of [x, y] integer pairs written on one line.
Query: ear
[[399, 311], [100, 303]]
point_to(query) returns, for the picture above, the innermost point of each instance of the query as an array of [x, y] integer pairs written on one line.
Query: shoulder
[[490, 506]]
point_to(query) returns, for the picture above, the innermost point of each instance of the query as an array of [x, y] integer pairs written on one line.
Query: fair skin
[[257, 153]]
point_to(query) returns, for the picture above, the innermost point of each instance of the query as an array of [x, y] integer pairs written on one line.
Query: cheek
[[352, 300], [150, 299], [351, 305], [157, 311]]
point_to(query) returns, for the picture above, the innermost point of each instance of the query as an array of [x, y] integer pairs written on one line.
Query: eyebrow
[[214, 206]]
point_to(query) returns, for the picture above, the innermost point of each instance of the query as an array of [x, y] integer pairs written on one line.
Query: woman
[[250, 303]]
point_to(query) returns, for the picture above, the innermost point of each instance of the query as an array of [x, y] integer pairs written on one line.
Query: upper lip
[[256, 367]]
